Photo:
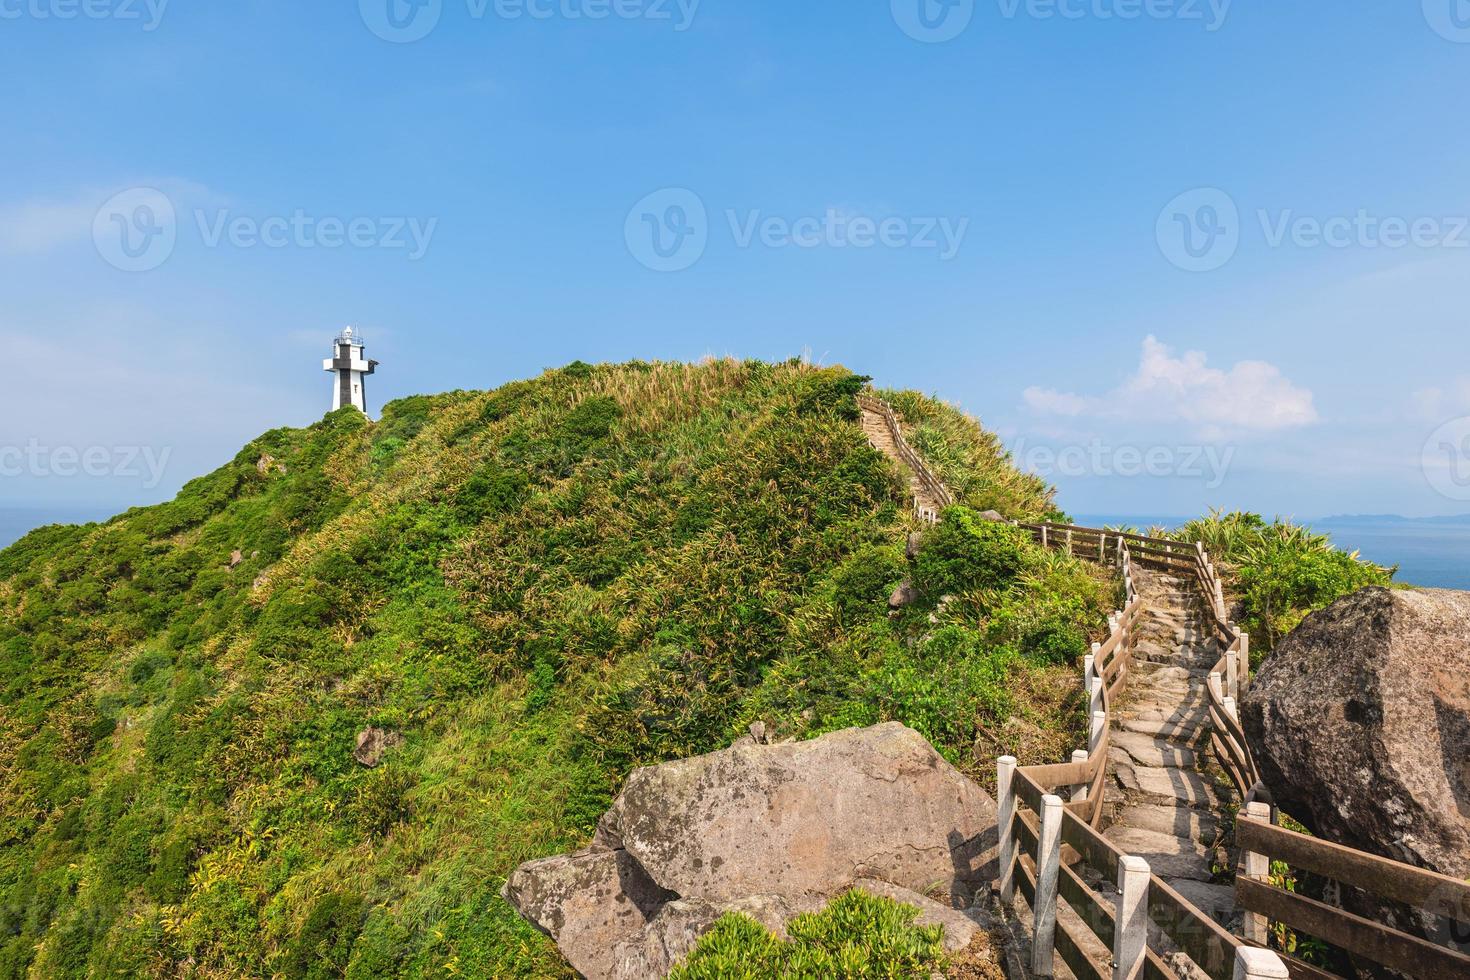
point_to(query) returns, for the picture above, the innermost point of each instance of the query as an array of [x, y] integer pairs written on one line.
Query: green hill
[[533, 589]]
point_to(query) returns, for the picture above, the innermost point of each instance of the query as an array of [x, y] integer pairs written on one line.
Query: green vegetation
[[1279, 571], [538, 588], [857, 936]]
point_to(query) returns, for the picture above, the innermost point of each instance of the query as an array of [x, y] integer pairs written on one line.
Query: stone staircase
[[878, 433], [1162, 786]]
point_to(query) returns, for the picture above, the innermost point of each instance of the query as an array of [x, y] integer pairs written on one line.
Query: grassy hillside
[[537, 588]]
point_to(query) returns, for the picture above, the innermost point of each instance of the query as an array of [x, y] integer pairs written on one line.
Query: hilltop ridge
[[516, 597]]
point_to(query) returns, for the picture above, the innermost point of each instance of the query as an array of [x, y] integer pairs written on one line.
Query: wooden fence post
[[1259, 964], [1099, 725], [1069, 541], [1044, 541], [1094, 681], [1005, 771], [1130, 937], [1079, 790], [1102, 548], [1245, 663], [1232, 671], [1049, 860], [1257, 866], [1230, 708]]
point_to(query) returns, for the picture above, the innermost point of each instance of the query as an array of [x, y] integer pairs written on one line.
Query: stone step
[[1183, 785], [1216, 901], [1176, 821], [1185, 731], [1146, 751]]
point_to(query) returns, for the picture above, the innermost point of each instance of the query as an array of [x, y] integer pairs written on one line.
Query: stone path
[[882, 439], [1161, 785]]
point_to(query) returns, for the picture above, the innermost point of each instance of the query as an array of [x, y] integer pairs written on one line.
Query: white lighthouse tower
[[350, 367]]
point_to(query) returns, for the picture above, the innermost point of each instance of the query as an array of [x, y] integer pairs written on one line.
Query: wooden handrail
[[1211, 947], [1423, 889]]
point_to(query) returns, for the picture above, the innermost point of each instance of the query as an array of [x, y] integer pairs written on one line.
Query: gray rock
[[1360, 723], [373, 744], [589, 902], [915, 544], [992, 515], [770, 831], [808, 818], [672, 934], [903, 596]]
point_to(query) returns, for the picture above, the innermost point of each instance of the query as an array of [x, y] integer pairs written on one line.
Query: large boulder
[[811, 816], [588, 902], [1360, 724], [768, 830]]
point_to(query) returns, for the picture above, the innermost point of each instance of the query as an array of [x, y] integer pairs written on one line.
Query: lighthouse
[[350, 367]]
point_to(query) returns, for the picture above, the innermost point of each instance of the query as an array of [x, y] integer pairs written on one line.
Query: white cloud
[[39, 225], [1251, 396]]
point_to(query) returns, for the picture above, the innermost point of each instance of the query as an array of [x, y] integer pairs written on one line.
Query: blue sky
[[998, 218]]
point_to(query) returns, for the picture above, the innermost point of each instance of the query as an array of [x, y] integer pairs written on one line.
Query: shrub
[[964, 553], [856, 936], [323, 947]]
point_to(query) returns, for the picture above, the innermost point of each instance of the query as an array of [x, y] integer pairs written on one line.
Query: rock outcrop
[[1360, 724], [373, 744], [768, 830]]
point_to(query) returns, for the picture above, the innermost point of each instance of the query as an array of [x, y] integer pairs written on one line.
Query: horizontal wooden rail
[[1371, 940], [1423, 889]]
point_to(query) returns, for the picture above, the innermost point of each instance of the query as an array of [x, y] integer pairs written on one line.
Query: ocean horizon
[[1432, 554]]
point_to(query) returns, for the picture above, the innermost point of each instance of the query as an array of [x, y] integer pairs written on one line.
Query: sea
[[1432, 553]]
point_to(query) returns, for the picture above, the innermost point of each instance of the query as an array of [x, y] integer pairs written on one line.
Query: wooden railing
[[927, 478], [1043, 840]]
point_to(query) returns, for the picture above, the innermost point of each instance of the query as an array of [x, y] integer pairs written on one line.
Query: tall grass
[[538, 588]]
